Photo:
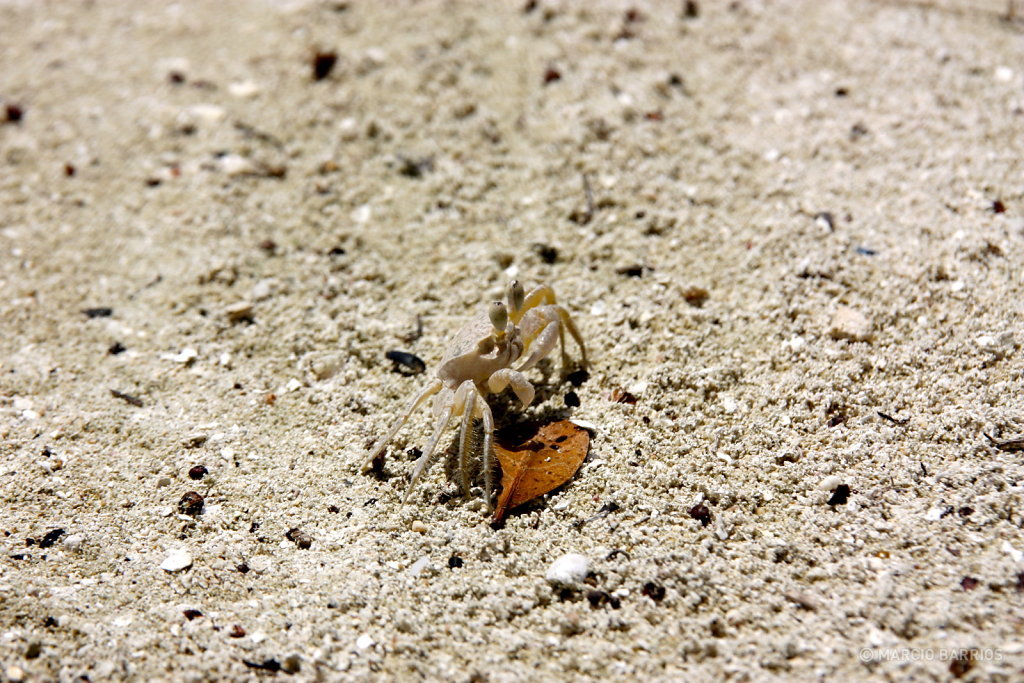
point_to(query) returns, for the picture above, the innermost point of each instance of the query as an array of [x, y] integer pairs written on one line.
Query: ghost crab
[[479, 361]]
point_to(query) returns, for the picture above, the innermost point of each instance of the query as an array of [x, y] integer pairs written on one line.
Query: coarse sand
[[791, 233]]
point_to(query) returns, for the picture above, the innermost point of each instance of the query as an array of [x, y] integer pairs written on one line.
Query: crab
[[490, 353]]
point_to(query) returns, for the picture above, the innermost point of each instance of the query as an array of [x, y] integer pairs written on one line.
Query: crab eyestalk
[[499, 318], [515, 296]]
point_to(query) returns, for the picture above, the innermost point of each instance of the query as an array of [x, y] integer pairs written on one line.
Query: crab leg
[[542, 345], [545, 296], [415, 403], [424, 462], [568, 324], [488, 439], [466, 432]]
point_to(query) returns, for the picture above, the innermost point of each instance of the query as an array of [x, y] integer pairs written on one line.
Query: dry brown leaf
[[542, 461]]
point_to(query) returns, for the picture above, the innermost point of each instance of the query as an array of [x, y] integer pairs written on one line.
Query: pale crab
[[479, 362]]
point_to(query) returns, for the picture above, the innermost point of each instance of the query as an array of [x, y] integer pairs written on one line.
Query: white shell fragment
[[568, 569], [186, 356], [1015, 554], [177, 561], [829, 483], [585, 424], [418, 566]]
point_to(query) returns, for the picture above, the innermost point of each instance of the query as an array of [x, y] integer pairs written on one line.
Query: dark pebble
[[299, 538], [191, 504], [323, 64], [191, 614], [13, 113], [198, 472], [653, 591], [547, 253], [701, 513], [404, 359], [572, 400], [98, 312]]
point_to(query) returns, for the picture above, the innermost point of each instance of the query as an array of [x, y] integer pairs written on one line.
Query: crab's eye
[[515, 296], [499, 316]]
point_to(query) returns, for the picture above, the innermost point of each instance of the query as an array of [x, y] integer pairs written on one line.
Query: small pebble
[[364, 642], [292, 664], [191, 504], [238, 312], [568, 569], [177, 561], [243, 89], [15, 673], [74, 542], [263, 289], [998, 345], [413, 363], [419, 527], [323, 63], [299, 538], [849, 323], [207, 113], [236, 165], [198, 472]]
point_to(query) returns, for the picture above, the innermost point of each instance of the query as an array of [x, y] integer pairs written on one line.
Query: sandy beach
[[791, 234]]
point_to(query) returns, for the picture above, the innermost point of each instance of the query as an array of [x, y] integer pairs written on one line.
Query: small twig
[[605, 510], [134, 400], [584, 217], [892, 419], [589, 194], [1009, 445], [416, 333]]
